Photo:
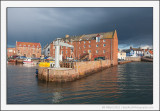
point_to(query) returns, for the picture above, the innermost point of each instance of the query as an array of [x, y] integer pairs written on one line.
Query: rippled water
[[130, 83]]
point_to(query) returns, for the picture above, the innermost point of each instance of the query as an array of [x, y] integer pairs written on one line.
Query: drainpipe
[[111, 52]]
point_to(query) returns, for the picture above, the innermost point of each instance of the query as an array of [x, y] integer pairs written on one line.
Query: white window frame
[[104, 51], [89, 45], [89, 41], [96, 51], [84, 51], [84, 42], [104, 40], [96, 45], [104, 45]]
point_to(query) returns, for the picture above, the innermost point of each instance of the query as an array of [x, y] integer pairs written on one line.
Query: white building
[[121, 55], [46, 50], [148, 53]]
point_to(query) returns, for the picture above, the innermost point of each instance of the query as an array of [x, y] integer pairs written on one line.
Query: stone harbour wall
[[80, 70]]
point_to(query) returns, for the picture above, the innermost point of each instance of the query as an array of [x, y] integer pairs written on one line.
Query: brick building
[[28, 49], [90, 46], [11, 52]]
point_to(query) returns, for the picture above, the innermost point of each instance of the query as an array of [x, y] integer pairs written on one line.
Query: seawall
[[80, 70], [133, 59]]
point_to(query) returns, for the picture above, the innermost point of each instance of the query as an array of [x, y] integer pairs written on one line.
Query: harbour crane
[[57, 45]]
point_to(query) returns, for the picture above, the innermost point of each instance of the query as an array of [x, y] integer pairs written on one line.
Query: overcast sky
[[134, 25]]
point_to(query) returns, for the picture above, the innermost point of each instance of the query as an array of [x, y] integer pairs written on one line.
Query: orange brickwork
[[11, 52], [87, 45], [28, 49]]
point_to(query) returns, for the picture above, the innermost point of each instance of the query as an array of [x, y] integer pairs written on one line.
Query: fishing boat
[[28, 61]]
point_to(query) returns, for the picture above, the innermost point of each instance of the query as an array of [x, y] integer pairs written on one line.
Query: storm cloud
[[134, 25]]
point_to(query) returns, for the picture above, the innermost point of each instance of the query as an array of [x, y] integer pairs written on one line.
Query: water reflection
[[115, 85]]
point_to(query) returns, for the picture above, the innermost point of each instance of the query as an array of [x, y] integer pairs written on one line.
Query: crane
[[57, 45]]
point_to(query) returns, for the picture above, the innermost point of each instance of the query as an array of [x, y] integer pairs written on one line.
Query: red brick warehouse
[[91, 46], [11, 52], [28, 49]]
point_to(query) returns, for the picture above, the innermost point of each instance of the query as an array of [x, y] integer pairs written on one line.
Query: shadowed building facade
[[28, 49], [90, 46]]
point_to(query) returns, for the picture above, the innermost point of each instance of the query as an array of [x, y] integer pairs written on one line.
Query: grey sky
[[134, 25]]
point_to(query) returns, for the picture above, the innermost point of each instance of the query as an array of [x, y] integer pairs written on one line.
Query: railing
[[67, 64], [81, 57]]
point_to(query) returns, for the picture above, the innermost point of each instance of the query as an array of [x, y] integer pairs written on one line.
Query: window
[[84, 46], [79, 47], [89, 51], [10, 50], [104, 40], [104, 45], [48, 49], [96, 51], [97, 39], [24, 45], [61, 47], [89, 41], [62, 52], [71, 51], [97, 45], [104, 51], [20, 45], [84, 51], [66, 52], [28, 45], [89, 45], [66, 47], [53, 47], [84, 42]]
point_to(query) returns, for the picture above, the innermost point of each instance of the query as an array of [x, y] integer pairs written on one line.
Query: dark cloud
[[134, 25]]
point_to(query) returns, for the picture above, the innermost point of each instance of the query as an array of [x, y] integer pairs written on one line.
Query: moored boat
[[28, 61]]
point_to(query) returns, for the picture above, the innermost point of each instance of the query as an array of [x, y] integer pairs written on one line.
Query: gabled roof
[[104, 35], [28, 44], [151, 52]]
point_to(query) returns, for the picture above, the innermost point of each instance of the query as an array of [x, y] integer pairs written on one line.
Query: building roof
[[28, 44], [151, 52], [104, 35]]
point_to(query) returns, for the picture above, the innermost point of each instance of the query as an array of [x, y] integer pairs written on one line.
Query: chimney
[[67, 36]]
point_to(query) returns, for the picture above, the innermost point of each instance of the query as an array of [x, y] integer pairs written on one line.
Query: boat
[[28, 61]]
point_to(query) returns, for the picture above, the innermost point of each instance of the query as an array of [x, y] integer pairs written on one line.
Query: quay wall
[[124, 62], [133, 59], [81, 69]]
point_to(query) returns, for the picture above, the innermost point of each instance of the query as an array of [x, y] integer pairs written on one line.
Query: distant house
[[46, 50], [121, 55], [148, 53], [11, 52], [28, 49], [134, 52]]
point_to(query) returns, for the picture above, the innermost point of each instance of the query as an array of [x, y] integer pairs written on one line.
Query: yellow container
[[44, 64]]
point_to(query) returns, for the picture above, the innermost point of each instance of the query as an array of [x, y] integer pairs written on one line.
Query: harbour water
[[130, 83]]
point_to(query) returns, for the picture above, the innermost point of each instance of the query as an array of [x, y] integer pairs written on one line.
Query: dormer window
[[98, 38]]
